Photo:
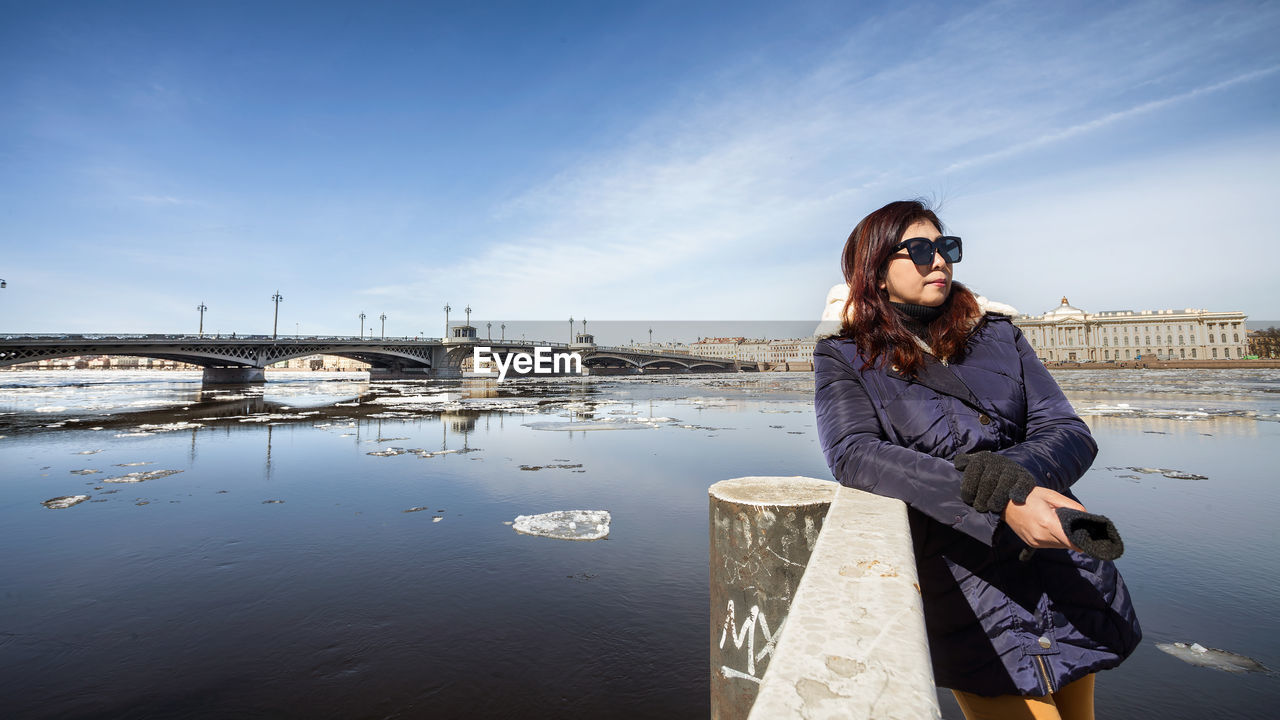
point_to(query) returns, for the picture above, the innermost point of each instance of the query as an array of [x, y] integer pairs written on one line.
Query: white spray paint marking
[[747, 635]]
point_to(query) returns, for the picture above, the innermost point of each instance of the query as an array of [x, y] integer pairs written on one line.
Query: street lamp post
[[570, 329], [468, 312], [650, 337], [488, 327], [201, 307], [275, 324], [362, 316], [446, 320], [383, 318], [504, 332]]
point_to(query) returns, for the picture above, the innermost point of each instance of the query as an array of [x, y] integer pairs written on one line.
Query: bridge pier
[[232, 375]]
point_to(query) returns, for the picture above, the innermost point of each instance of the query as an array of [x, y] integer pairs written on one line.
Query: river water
[[286, 570]]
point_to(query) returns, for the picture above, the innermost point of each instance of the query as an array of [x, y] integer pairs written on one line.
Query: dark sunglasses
[[921, 249]]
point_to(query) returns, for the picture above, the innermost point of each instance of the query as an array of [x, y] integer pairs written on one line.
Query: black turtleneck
[[916, 318]]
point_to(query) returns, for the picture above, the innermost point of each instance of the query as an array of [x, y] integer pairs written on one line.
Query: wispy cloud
[[765, 170], [1109, 119]]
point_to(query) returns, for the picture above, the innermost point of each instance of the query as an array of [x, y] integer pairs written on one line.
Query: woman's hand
[[1036, 520]]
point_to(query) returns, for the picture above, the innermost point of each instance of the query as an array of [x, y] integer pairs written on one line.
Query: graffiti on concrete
[[747, 635]]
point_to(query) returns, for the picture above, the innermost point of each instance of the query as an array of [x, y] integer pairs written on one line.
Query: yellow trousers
[[1073, 702]]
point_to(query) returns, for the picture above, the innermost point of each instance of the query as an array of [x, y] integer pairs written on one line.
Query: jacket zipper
[[1044, 671]]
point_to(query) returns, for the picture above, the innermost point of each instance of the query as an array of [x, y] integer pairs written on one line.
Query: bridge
[[244, 359]]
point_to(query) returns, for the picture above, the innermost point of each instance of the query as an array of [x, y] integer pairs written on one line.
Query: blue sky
[[623, 161]]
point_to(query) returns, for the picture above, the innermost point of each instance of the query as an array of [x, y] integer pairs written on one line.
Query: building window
[[1210, 338], [1148, 340], [1239, 352], [1236, 337], [1215, 352], [1180, 340], [1182, 353], [1168, 339], [1193, 352], [1126, 354], [1106, 354]]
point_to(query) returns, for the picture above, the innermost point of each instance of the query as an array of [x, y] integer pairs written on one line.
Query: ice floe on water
[[135, 464], [268, 417], [140, 476], [64, 501], [557, 466], [623, 423], [1167, 472], [168, 427], [87, 452], [566, 524], [434, 399], [1197, 654], [436, 453], [85, 471]]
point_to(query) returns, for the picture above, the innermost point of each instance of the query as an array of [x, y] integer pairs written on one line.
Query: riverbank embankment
[[1261, 364]]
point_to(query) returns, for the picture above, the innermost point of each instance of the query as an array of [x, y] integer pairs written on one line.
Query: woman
[[920, 380]]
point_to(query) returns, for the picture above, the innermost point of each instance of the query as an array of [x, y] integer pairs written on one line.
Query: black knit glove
[[1094, 534], [991, 481]]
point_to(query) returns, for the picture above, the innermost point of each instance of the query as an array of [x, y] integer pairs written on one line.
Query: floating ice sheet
[[1197, 654], [566, 524], [64, 501], [594, 425], [141, 476]]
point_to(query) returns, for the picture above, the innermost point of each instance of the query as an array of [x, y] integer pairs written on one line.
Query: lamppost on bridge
[[651, 337], [488, 327], [275, 324], [446, 320], [201, 307], [504, 332], [467, 310], [383, 318], [362, 316], [570, 329]]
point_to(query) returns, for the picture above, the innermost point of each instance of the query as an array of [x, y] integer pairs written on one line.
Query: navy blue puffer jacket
[[996, 624]]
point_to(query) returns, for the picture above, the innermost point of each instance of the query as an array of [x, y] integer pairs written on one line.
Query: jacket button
[[984, 419], [1045, 642]]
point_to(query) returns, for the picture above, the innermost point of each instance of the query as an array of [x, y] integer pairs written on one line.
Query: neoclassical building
[[1067, 333]]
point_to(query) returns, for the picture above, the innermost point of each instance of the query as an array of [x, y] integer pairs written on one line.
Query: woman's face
[[908, 282]]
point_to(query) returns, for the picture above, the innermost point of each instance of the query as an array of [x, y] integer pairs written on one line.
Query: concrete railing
[[815, 606]]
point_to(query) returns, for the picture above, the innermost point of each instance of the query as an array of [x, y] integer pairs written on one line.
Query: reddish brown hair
[[874, 324]]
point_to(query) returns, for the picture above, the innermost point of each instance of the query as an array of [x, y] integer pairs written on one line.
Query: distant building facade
[[1069, 334], [748, 350]]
